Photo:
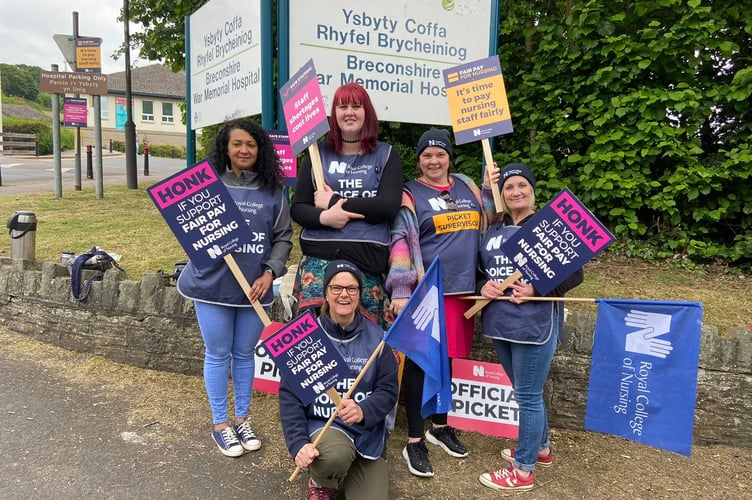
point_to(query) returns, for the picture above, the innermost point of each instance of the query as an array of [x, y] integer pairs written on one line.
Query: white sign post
[[396, 49], [225, 61]]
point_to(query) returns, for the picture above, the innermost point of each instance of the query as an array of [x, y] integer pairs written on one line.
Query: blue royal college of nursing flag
[[643, 377], [419, 332]]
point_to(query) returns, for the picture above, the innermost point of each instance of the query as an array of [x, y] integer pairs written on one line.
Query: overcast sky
[[27, 27]]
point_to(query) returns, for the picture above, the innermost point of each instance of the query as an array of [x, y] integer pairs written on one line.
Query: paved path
[[75, 426], [67, 435]]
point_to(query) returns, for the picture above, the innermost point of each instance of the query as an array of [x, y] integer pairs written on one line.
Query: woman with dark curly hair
[[245, 159], [266, 166]]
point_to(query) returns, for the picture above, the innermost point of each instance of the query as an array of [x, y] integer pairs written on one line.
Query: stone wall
[[148, 324]]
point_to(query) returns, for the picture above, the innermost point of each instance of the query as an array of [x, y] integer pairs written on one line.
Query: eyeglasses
[[351, 290], [450, 203]]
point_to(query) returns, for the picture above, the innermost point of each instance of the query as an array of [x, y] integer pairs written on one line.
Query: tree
[[163, 35], [642, 109], [20, 80]]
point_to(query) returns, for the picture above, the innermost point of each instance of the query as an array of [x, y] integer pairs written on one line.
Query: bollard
[[146, 160], [110, 145], [89, 163], [22, 227]]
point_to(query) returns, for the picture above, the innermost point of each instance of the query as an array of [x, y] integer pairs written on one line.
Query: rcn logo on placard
[[520, 259], [479, 371], [319, 387], [337, 167], [214, 251]]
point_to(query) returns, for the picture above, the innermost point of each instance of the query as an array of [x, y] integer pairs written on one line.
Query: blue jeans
[[230, 336], [527, 366]]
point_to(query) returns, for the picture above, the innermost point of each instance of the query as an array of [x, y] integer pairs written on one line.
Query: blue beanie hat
[[435, 137], [511, 169], [337, 266]]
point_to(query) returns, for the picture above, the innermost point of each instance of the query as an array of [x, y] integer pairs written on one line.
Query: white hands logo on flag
[[428, 311], [651, 325]]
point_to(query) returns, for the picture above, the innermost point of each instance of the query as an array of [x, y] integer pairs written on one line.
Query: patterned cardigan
[[406, 266]]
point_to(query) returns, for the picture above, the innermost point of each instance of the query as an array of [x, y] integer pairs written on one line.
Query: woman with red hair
[[349, 216]]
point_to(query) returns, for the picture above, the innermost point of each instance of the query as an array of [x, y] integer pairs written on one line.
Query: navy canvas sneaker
[[228, 442]]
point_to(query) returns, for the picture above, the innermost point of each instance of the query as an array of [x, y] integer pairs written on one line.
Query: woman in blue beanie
[[524, 333], [350, 456]]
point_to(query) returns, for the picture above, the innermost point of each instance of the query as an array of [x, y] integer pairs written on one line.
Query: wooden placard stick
[[534, 299], [488, 156], [316, 168], [347, 395], [482, 302], [230, 260]]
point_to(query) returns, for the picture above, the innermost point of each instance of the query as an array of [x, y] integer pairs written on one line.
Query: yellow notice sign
[[477, 100], [88, 55]]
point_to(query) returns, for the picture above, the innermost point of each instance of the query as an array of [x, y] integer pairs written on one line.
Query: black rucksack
[[94, 259]]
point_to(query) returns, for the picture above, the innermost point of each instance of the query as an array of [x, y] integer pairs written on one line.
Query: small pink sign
[[288, 160], [303, 107], [75, 112]]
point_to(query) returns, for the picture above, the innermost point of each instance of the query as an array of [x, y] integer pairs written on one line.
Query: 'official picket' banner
[[483, 399]]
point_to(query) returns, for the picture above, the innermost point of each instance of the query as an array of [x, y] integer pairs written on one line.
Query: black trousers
[[412, 390]]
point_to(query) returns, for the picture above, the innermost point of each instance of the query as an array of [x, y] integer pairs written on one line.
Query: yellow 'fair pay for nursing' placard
[[477, 100]]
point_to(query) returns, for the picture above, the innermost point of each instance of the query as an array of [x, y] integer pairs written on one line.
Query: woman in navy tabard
[[245, 160], [348, 217]]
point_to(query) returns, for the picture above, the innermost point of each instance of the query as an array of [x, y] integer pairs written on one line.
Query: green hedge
[[42, 129], [160, 150]]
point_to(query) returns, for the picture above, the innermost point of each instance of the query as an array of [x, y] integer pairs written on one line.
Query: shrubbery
[[164, 151], [161, 150], [42, 129]]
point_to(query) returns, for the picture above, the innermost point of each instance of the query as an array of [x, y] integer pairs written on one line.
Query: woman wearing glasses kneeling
[[351, 454], [442, 214]]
